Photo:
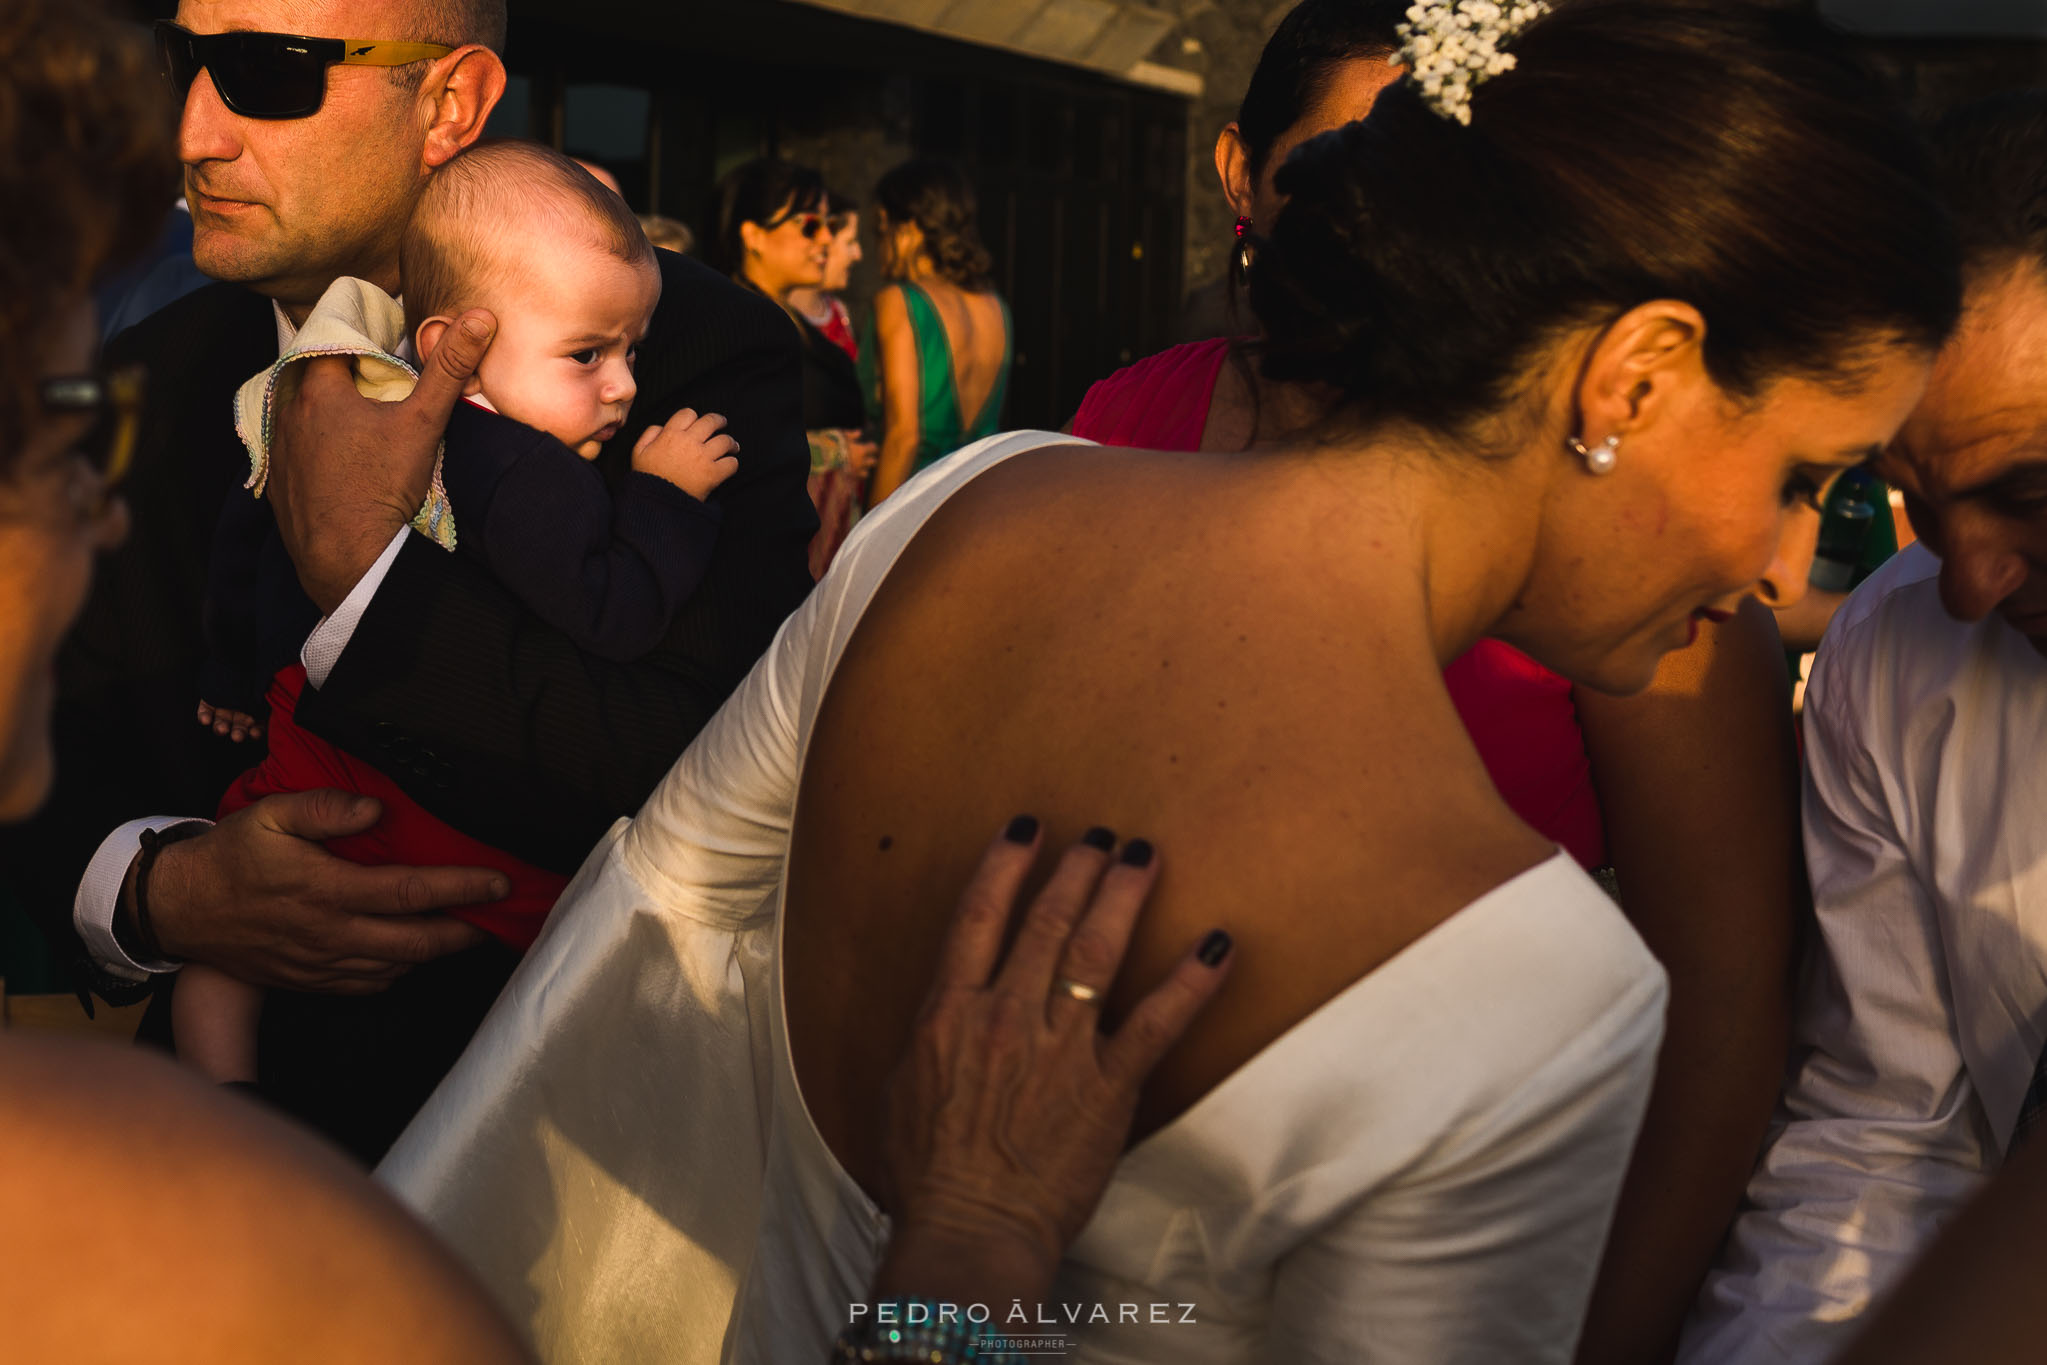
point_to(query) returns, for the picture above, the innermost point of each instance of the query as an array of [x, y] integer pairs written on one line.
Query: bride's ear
[[1648, 362], [1233, 168], [429, 336]]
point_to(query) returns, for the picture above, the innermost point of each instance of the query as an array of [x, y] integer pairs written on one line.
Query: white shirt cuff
[[99, 892], [323, 647]]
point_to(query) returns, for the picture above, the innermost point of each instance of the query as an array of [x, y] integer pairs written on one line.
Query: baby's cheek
[[491, 377], [511, 383]]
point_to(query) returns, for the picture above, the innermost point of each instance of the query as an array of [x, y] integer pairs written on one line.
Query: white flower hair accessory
[[1449, 46]]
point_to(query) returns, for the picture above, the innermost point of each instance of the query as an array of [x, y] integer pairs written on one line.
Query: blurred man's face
[[844, 252], [1972, 459], [286, 205]]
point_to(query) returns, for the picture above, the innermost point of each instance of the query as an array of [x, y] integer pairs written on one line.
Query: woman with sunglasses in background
[[839, 461], [942, 336], [773, 232]]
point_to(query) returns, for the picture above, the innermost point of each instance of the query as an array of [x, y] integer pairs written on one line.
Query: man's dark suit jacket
[[607, 562], [536, 751]]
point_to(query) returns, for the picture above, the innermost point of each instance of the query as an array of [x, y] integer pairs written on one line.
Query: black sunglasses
[[273, 75], [114, 402], [809, 222]]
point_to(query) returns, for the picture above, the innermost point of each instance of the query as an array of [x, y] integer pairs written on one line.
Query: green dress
[[941, 427]]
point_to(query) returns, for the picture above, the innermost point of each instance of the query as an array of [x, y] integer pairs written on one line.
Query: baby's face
[[563, 357]]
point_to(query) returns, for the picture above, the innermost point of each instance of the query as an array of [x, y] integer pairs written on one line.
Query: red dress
[[1519, 714], [836, 493], [406, 835]]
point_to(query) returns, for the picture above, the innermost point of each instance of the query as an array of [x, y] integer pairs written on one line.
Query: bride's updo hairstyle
[[1738, 159]]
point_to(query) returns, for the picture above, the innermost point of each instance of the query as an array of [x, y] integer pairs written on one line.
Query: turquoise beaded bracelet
[[921, 1330]]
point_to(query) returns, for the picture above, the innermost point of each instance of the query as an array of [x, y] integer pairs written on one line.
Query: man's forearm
[[334, 576], [323, 647], [347, 472]]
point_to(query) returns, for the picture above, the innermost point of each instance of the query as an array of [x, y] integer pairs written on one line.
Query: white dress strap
[[596, 1155]]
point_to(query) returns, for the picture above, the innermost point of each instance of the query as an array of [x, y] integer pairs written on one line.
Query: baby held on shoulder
[[504, 227], [573, 282], [574, 291]]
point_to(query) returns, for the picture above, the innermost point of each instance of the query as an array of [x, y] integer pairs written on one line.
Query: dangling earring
[[1244, 250], [1599, 459]]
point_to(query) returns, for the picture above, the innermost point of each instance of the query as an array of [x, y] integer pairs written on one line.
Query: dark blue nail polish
[[1137, 853], [1214, 948], [1100, 837], [1022, 829]]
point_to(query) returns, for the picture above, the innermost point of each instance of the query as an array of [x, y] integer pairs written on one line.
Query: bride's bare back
[[1168, 644]]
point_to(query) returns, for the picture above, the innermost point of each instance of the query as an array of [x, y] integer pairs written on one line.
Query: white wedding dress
[[1422, 1170]]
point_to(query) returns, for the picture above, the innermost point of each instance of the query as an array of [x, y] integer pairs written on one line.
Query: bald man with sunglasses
[[307, 130]]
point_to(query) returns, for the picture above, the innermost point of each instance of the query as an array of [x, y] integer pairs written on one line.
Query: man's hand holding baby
[[690, 451], [347, 472]]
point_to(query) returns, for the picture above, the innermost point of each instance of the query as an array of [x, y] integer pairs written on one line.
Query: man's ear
[[457, 96], [429, 336], [1643, 365], [1233, 168]]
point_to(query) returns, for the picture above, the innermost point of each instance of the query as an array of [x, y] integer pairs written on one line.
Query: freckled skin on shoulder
[[1120, 642]]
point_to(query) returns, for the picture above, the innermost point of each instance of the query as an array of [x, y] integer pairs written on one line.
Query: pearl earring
[[1599, 459]]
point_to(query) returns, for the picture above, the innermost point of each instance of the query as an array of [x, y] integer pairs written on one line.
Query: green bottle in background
[[1857, 535], [1846, 524]]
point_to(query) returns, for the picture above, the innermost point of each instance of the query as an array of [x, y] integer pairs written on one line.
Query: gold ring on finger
[[1087, 995]]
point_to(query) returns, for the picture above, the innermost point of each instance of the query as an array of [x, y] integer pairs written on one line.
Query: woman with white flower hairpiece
[[1589, 358], [1648, 791]]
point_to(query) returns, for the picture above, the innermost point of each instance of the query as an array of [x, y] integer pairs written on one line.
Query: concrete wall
[[853, 137], [1221, 39]]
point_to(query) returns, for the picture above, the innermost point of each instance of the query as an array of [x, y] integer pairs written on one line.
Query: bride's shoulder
[[969, 499]]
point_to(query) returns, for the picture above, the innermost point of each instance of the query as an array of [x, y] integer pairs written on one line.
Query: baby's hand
[[690, 452], [234, 725]]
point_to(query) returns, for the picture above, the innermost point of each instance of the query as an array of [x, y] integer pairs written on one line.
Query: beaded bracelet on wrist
[[943, 1336], [827, 451]]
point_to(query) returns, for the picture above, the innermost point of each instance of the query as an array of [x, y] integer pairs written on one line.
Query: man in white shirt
[[1922, 1018]]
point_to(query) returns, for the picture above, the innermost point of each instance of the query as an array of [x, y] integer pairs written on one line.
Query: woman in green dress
[[939, 361]]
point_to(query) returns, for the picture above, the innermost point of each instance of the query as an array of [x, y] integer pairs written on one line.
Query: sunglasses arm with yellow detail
[[274, 75], [365, 52]]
